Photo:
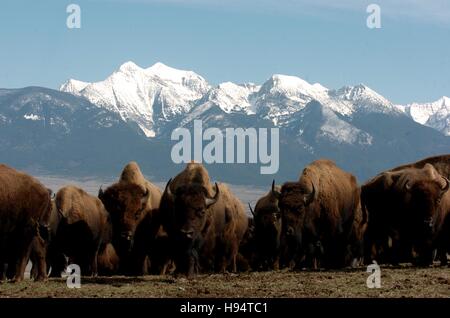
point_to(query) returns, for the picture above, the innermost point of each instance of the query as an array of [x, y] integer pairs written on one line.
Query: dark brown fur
[[133, 203], [388, 202], [24, 208], [318, 214], [84, 230], [204, 237], [267, 231]]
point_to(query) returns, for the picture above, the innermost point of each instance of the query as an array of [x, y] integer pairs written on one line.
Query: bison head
[[267, 220], [424, 212], [294, 200], [126, 204], [190, 215]]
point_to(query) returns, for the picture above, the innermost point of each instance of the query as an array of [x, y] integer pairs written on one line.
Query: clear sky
[[407, 60]]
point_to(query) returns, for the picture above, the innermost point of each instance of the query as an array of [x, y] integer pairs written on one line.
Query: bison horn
[[100, 192], [211, 201], [275, 193], [251, 210], [167, 190], [310, 197], [145, 197], [407, 186], [447, 185]]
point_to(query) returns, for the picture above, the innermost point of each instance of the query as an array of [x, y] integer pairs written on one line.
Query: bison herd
[[322, 220]]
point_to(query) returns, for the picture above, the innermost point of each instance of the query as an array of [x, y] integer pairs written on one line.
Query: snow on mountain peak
[[231, 97], [73, 86], [130, 67], [181, 77], [362, 98], [153, 96], [292, 85], [144, 96], [435, 114]]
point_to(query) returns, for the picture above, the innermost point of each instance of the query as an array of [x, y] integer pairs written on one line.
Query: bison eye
[[200, 211]]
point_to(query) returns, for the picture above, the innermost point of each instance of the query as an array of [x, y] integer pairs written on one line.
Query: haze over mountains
[[94, 128]]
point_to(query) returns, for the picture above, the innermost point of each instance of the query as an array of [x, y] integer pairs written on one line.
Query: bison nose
[[290, 231], [189, 234], [127, 235]]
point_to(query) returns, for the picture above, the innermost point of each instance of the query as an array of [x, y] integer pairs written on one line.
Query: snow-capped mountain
[[435, 114], [152, 97], [146, 97], [96, 128]]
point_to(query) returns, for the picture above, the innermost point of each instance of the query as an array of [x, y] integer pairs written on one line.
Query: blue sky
[[407, 60]]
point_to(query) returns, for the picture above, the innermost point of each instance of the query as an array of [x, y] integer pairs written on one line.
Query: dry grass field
[[403, 281]]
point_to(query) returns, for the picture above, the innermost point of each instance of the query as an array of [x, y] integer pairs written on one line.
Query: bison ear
[[251, 210], [309, 198], [211, 201], [275, 192]]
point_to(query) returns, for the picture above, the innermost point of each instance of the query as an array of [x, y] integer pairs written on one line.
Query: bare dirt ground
[[395, 282]]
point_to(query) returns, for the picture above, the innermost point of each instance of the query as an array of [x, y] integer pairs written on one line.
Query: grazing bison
[[25, 206], [318, 214], [205, 225], [44, 247], [267, 230], [84, 229], [133, 203], [400, 203]]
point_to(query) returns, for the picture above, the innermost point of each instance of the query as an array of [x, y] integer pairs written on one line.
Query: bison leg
[[38, 259], [22, 263], [94, 264]]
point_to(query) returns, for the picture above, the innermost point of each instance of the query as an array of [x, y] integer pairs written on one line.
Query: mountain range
[[95, 128]]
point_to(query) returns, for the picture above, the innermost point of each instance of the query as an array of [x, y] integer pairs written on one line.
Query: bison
[[440, 163], [318, 215], [133, 204], [25, 206], [400, 203], [267, 230], [84, 230], [204, 224]]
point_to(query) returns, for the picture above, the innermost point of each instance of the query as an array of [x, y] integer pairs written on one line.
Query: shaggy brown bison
[[25, 206], [205, 224], [267, 230], [403, 207], [84, 229], [133, 203], [43, 249], [318, 214]]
